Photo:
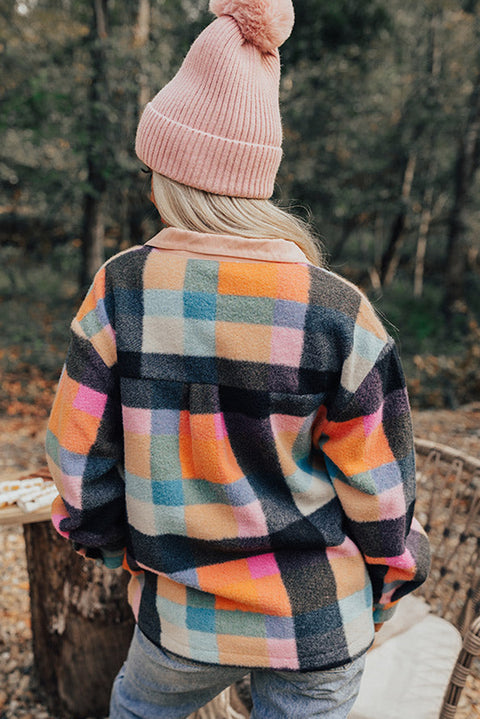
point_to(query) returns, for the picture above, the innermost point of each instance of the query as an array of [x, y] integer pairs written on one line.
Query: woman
[[232, 422]]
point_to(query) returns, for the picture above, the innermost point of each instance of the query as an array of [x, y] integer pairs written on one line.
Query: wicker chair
[[448, 507]]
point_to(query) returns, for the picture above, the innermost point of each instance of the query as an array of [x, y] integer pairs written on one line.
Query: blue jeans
[[155, 684]]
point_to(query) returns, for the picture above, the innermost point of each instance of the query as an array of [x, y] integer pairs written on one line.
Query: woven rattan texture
[[448, 506]]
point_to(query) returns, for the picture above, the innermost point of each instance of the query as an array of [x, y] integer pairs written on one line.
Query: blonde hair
[[190, 209]]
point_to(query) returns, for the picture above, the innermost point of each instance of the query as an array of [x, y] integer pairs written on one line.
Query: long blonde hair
[[190, 209]]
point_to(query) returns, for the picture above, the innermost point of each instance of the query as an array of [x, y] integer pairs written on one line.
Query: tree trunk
[[425, 222], [93, 241], [93, 221], [135, 200], [422, 243], [81, 624], [141, 35], [391, 256], [466, 167]]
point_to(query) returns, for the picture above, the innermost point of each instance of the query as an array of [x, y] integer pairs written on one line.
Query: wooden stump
[[81, 624]]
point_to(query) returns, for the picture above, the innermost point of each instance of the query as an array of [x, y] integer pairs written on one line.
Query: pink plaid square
[[283, 653], [287, 346], [90, 401], [264, 565]]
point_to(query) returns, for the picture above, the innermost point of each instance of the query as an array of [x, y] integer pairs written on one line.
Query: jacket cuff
[[109, 559]]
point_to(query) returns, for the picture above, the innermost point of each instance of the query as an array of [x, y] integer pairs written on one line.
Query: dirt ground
[[458, 428]]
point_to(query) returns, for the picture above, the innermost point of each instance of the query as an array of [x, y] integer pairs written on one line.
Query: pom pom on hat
[[264, 23]]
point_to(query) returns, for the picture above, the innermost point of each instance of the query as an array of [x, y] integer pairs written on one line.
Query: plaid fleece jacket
[[232, 423]]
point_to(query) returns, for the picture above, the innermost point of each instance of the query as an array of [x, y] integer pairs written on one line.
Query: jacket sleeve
[[369, 453], [84, 437]]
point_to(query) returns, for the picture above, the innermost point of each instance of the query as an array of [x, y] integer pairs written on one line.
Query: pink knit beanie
[[216, 126]]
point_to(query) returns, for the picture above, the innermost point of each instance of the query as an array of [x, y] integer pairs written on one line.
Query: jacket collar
[[227, 246]]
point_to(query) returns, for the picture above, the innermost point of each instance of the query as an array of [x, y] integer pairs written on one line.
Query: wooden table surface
[[14, 515]]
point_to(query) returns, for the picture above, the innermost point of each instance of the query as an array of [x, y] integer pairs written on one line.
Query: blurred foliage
[[377, 99], [448, 380], [37, 300]]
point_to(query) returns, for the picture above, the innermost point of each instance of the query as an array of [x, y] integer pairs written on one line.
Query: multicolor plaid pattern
[[233, 422]]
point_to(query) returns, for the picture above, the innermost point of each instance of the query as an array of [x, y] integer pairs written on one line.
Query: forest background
[[381, 109]]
